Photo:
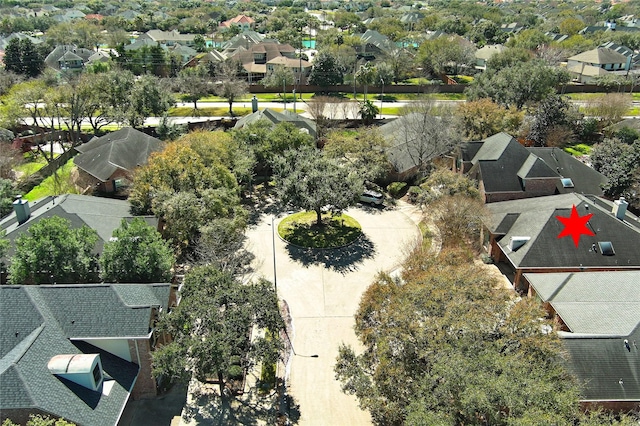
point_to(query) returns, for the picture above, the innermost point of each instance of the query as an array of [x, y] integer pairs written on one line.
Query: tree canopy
[[136, 254], [520, 84], [53, 252], [308, 179], [211, 328], [446, 345], [187, 185]]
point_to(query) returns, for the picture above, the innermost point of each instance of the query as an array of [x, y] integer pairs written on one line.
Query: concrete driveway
[[323, 289]]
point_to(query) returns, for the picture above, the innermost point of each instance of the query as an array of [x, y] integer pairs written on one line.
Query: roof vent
[[21, 207], [606, 248], [620, 208], [516, 242], [83, 369]]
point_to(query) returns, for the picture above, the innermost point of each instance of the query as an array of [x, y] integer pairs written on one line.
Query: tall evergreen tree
[[325, 70], [22, 57], [13, 56]]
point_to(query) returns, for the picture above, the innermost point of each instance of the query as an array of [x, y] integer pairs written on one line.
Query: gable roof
[[164, 36], [124, 149], [270, 50], [601, 311], [244, 39], [104, 215], [275, 117], [487, 51], [586, 180], [37, 325], [140, 43], [405, 140], [603, 303], [58, 53], [378, 40], [239, 19], [599, 55], [503, 163], [536, 218]]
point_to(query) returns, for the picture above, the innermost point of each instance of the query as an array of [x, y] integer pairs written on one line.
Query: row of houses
[[590, 290], [586, 67]]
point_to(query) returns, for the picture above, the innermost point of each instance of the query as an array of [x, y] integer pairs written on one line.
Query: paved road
[[322, 289]]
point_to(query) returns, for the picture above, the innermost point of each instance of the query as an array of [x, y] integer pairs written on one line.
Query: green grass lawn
[[29, 168], [578, 149], [54, 185], [207, 112], [301, 229], [267, 97]]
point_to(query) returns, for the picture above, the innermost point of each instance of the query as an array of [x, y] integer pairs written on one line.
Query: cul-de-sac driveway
[[322, 289]]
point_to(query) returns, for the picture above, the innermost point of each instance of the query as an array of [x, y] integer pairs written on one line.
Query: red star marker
[[575, 225]]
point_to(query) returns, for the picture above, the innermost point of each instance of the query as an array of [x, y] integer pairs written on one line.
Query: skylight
[[566, 182], [606, 248]]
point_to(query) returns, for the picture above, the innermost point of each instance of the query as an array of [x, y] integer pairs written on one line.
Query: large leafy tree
[[51, 251], [309, 180], [265, 141], [326, 70], [136, 254], [620, 163], [187, 186], [109, 97], [554, 115], [446, 345], [280, 76], [148, 98], [520, 84], [439, 55], [364, 152], [212, 324], [482, 118], [194, 84]]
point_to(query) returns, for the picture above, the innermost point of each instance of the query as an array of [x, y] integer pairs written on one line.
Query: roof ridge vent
[[516, 242], [83, 369]]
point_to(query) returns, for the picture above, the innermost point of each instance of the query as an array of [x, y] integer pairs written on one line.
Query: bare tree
[[9, 158], [422, 134], [317, 108], [228, 84], [610, 107]]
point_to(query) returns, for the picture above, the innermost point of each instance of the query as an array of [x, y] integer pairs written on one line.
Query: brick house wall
[[533, 188], [615, 406], [145, 386]]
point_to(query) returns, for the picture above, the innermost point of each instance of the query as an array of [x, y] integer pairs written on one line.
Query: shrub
[[396, 188], [414, 193]]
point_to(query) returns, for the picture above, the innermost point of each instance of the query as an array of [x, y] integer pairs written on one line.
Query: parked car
[[371, 197]]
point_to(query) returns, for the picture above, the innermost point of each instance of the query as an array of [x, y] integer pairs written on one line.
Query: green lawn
[[207, 112], [29, 168], [301, 229], [578, 149], [54, 185]]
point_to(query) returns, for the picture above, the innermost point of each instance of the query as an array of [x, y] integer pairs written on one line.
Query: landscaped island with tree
[[213, 119]]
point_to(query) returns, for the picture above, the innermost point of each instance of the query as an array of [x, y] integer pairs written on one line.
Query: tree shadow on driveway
[[209, 409], [344, 260]]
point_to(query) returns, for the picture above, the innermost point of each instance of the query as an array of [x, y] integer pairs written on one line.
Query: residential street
[[322, 289]]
